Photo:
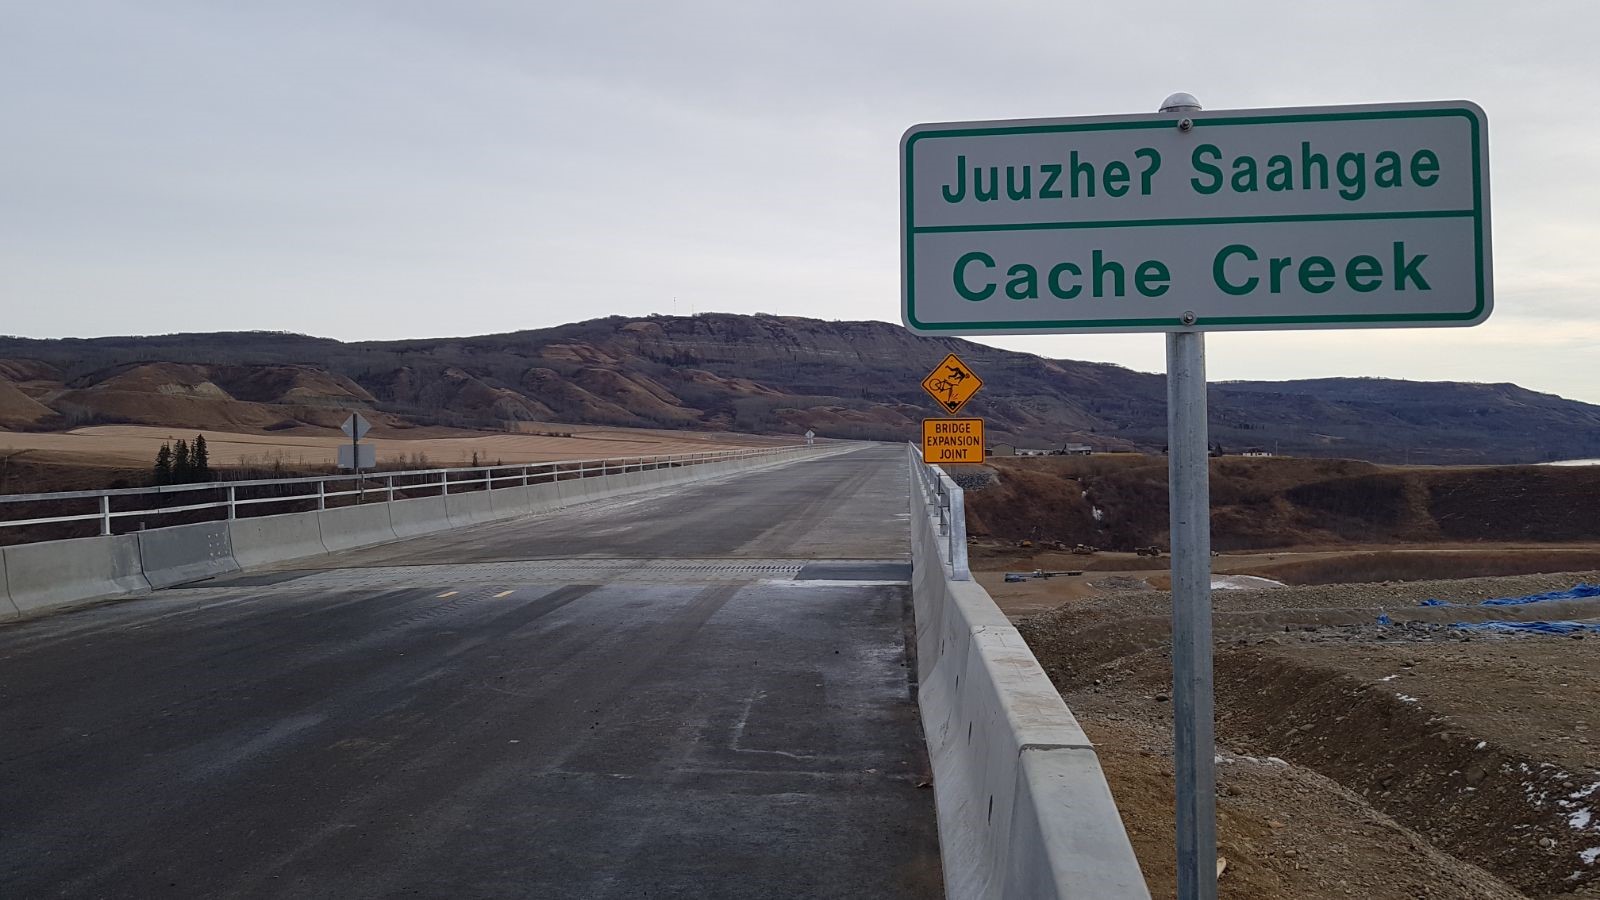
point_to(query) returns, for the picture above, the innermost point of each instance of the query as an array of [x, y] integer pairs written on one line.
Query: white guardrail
[[384, 485], [1024, 809], [45, 576], [947, 502]]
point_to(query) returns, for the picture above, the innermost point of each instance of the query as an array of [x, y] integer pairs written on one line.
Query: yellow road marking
[[504, 594], [448, 594]]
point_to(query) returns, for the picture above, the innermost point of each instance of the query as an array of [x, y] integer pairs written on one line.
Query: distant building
[[1024, 451], [1076, 450], [1002, 449], [1256, 451]]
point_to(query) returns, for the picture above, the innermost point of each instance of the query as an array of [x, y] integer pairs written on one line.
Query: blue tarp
[[1537, 627], [1578, 592]]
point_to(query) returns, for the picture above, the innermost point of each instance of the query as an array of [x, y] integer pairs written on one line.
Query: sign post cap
[[1182, 101]]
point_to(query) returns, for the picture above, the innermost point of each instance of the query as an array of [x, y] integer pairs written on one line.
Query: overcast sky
[[411, 169]]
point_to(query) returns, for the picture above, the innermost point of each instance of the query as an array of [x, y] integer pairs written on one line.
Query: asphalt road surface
[[699, 693]]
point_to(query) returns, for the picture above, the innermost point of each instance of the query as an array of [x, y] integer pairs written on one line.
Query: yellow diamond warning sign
[[952, 384], [952, 441]]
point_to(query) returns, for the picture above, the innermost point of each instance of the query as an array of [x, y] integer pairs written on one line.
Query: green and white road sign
[[1330, 217]]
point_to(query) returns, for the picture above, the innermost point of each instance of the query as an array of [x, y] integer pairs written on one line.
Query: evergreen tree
[[164, 464], [199, 460], [180, 462]]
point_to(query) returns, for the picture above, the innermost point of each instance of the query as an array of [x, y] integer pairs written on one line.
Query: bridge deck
[[701, 693]]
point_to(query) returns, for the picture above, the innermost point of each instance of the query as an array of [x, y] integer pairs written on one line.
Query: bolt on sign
[[952, 383], [952, 441], [1317, 217]]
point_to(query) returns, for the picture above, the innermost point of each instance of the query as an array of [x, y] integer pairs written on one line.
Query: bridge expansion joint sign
[[1315, 217], [952, 441]]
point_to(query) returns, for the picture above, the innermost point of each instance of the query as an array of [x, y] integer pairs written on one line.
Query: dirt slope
[[1119, 502], [1356, 759]]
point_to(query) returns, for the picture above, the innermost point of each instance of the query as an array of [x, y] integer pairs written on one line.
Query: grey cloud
[[388, 169]]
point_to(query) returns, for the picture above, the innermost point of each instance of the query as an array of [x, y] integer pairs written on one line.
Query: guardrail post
[[444, 484], [233, 502], [322, 495], [388, 489], [524, 476], [105, 514], [958, 536]]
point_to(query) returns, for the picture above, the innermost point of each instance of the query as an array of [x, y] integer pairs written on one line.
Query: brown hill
[[185, 395], [18, 410], [290, 385], [770, 374]]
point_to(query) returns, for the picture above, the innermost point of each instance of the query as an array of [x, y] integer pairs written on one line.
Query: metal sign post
[[1189, 505]]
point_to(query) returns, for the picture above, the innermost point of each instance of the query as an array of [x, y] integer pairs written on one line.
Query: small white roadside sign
[[355, 428], [358, 456]]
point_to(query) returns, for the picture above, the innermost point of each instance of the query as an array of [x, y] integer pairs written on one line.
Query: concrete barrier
[[603, 487], [1024, 809], [469, 509], [56, 574], [572, 490], [356, 526], [586, 489], [508, 501], [185, 553], [413, 518], [8, 610], [270, 539], [544, 497]]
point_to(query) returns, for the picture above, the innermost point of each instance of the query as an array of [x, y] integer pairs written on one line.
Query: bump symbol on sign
[[952, 383]]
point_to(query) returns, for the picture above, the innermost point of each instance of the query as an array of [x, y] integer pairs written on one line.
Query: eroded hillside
[[762, 374]]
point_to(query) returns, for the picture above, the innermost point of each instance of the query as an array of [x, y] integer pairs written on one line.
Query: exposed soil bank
[[1413, 763], [1119, 502]]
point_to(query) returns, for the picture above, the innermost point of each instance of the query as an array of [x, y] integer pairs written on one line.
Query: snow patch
[[1580, 819], [1406, 698], [1273, 760], [1590, 855], [1241, 582]]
